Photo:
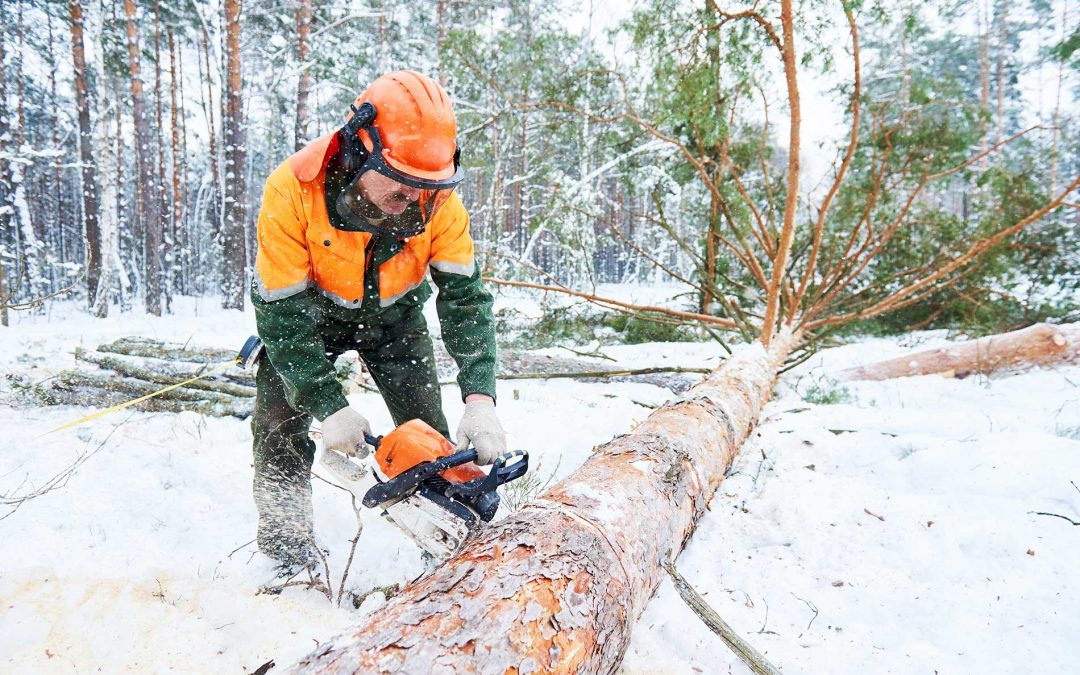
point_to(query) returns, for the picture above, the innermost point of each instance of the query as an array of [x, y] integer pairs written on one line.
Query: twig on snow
[[813, 608], [1056, 515], [246, 543], [58, 481], [326, 568], [750, 656], [352, 549]]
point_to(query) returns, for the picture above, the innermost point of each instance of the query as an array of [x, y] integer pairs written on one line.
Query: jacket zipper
[[369, 268]]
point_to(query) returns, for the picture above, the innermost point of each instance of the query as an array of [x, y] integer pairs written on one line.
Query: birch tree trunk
[[104, 152], [86, 156], [557, 586]]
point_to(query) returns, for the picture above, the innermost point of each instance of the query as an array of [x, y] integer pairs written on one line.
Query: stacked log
[[132, 367]]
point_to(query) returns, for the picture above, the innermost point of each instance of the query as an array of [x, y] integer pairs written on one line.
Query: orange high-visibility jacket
[[306, 268], [299, 248]]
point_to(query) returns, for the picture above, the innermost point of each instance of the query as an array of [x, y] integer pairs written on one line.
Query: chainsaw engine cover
[[416, 442]]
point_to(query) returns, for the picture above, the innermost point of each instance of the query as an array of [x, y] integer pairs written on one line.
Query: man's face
[[390, 196]]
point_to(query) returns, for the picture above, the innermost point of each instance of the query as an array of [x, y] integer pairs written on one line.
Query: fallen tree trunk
[[1042, 344], [557, 586], [138, 346]]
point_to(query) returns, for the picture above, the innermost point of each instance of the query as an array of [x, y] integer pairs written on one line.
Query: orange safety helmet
[[404, 127]]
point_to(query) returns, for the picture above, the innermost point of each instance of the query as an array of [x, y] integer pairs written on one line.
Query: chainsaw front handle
[[500, 472], [511, 465]]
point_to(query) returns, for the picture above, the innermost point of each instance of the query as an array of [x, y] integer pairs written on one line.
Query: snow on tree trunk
[[1042, 344], [558, 585]]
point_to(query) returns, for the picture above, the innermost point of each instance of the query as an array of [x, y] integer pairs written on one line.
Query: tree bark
[[175, 225], [100, 391], [235, 267], [303, 87], [149, 197], [162, 195], [208, 111], [1042, 344], [87, 163], [557, 586]]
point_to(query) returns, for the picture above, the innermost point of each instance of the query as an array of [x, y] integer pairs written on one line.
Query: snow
[[142, 561]]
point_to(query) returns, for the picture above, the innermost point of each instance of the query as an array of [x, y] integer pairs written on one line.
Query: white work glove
[[344, 432], [481, 428]]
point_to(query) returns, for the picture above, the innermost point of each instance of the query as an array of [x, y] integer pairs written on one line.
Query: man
[[348, 228]]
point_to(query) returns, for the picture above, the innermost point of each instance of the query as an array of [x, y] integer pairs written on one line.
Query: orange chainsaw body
[[414, 443]]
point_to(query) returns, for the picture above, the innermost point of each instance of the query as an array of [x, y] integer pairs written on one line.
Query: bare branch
[[691, 316], [787, 233]]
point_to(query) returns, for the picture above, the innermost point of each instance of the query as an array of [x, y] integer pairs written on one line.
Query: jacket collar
[[309, 161]]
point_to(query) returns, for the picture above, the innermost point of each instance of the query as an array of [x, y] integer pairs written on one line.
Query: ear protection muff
[[353, 152]]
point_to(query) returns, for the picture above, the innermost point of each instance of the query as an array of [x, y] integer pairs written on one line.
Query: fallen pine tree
[[556, 587], [1041, 344]]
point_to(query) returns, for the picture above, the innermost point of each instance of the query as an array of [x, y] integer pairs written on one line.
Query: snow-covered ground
[[142, 560]]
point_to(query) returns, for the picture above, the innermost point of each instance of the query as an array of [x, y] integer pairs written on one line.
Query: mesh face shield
[[359, 213]]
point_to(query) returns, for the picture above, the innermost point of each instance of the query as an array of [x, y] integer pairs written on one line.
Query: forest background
[[602, 145]]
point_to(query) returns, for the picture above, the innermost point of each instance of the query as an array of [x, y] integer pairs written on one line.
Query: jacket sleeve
[[463, 303], [285, 313]]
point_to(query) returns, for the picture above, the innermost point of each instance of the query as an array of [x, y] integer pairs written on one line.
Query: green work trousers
[[402, 364]]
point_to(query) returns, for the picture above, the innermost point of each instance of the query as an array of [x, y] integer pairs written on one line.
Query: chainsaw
[[436, 496]]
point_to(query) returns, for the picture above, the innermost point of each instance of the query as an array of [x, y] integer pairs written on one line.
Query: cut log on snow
[[137, 346], [558, 585], [186, 358], [1042, 344]]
